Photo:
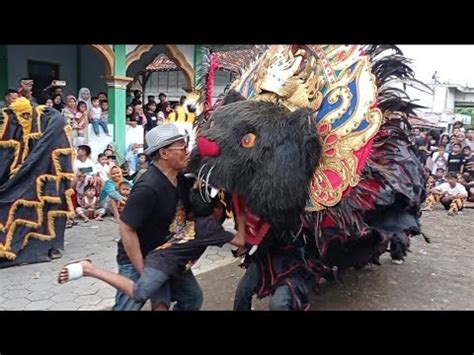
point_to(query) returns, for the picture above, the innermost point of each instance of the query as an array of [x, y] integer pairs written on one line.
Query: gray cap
[[161, 136]]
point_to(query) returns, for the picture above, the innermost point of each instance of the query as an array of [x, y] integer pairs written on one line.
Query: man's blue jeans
[[185, 290]]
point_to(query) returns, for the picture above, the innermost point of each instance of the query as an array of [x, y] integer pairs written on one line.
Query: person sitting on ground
[[469, 203], [102, 168], [89, 206], [439, 176], [111, 158], [168, 259], [131, 158], [451, 194], [430, 183], [124, 191], [126, 172], [110, 191], [119, 159], [468, 162], [142, 166]]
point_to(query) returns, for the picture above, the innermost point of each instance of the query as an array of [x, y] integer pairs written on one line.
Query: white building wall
[[439, 99]]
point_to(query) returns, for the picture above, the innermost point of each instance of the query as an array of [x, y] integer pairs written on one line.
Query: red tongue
[[255, 228]]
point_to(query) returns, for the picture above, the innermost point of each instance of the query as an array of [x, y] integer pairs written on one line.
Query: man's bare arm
[[131, 244]]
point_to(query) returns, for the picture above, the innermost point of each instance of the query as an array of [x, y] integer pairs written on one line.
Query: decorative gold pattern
[[13, 223], [302, 77]]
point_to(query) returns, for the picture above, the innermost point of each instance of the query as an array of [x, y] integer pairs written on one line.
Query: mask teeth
[[199, 178], [207, 186]]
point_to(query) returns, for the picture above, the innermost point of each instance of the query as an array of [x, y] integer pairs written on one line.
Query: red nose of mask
[[208, 148]]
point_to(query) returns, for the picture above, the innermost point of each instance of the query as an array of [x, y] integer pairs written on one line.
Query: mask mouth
[[255, 228]]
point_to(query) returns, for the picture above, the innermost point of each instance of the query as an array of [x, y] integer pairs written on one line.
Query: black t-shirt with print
[[152, 120], [150, 209], [174, 259], [455, 161]]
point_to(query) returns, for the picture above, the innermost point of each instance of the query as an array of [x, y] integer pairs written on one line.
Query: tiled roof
[[232, 61]]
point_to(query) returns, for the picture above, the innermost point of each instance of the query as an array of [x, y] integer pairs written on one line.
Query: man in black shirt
[[455, 159], [149, 212], [172, 258]]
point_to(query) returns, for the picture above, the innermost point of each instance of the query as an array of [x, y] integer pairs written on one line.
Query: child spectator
[[440, 159], [124, 190], [79, 125], [439, 176], [103, 167], [110, 191], [89, 206], [96, 120], [104, 107]]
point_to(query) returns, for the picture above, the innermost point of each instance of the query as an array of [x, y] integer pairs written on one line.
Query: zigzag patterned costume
[[311, 142], [35, 175]]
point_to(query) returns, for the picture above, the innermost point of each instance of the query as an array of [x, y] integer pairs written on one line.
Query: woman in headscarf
[[58, 103], [118, 158], [110, 192], [69, 112], [85, 95]]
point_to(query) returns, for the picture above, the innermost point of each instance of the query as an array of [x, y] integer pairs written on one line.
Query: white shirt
[[103, 171], [96, 112], [89, 163], [452, 191], [438, 162]]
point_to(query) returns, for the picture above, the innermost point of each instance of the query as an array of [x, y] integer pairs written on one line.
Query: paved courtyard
[[435, 276], [34, 286]]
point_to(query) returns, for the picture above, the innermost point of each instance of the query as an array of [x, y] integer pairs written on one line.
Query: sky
[[454, 63]]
